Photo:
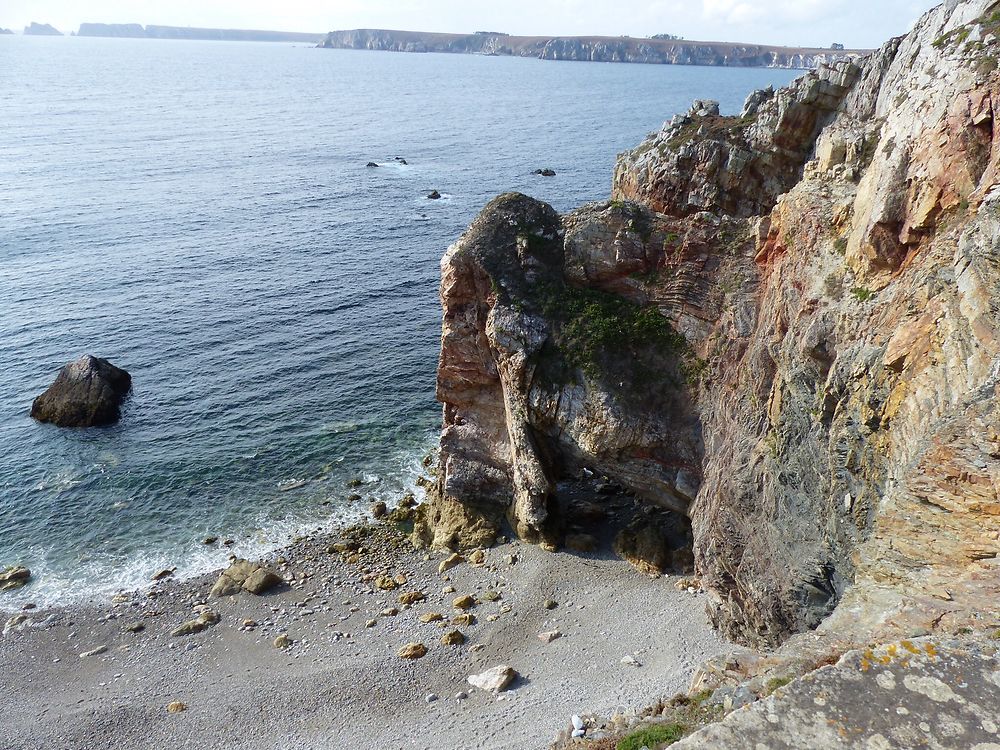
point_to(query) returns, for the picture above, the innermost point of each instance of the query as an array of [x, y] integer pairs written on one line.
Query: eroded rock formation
[[784, 326]]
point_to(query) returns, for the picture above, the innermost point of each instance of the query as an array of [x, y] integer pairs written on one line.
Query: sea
[[201, 214]]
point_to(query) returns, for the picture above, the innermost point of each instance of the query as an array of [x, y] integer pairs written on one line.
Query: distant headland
[[662, 49], [137, 31]]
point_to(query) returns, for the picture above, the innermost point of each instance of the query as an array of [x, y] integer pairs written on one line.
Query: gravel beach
[[340, 682]]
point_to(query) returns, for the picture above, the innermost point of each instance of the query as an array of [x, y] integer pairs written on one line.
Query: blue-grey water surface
[[200, 213]]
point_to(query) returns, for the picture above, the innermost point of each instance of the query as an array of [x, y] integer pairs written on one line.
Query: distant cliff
[[41, 29], [136, 31], [6, 31], [592, 49]]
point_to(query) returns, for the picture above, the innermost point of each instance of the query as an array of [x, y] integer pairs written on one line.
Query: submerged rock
[[87, 393], [14, 578], [545, 172], [433, 195]]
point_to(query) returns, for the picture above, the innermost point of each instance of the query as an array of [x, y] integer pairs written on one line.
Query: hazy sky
[[856, 23]]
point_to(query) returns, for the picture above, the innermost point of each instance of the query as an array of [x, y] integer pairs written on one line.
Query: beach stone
[[385, 583], [201, 623], [282, 641], [478, 557], [163, 574], [448, 590], [379, 509], [450, 562], [492, 596], [453, 638], [431, 697], [549, 636], [495, 680], [390, 612], [461, 695], [431, 617], [86, 393], [176, 707], [15, 623], [261, 581], [371, 623], [413, 651], [466, 618], [412, 597], [463, 602], [245, 575], [631, 661], [14, 578], [400, 579], [134, 627], [94, 652], [550, 604]]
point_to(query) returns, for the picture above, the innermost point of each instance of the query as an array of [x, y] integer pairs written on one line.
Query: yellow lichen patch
[[892, 651], [909, 647], [865, 665], [931, 650]]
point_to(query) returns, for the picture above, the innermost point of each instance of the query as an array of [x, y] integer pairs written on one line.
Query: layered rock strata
[[783, 327]]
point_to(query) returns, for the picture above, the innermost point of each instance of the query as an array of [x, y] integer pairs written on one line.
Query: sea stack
[[86, 393], [41, 29]]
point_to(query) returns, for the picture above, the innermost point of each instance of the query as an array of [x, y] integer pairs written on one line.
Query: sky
[[817, 23]]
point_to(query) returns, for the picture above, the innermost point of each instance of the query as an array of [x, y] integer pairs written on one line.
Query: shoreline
[[340, 679]]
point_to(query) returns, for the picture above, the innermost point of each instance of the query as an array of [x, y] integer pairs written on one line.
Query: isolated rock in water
[[496, 679], [545, 172], [41, 29], [371, 164], [14, 578], [86, 393], [433, 195]]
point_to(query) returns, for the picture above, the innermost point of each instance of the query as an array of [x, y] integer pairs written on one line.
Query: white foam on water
[[101, 575]]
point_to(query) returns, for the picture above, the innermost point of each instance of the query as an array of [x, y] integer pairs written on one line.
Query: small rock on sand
[[466, 619], [450, 562], [413, 651], [464, 602], [549, 636], [94, 652], [176, 707], [412, 597], [453, 638], [550, 604], [282, 641], [431, 617], [495, 680]]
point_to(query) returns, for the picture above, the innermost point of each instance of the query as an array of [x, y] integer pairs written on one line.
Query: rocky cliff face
[[784, 326], [590, 49]]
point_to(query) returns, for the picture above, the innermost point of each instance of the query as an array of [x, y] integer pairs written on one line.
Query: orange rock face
[[829, 419]]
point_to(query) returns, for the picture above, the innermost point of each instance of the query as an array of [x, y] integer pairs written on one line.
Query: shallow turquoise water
[[200, 214]]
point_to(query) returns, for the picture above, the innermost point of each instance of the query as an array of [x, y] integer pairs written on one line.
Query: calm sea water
[[200, 213]]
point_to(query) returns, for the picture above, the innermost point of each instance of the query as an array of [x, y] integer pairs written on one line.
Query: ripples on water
[[200, 214]]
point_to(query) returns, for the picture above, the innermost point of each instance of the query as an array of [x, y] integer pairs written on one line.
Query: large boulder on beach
[[243, 575], [86, 393]]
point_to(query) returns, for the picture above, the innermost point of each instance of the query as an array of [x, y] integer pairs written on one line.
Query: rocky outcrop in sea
[[590, 49], [41, 29], [782, 329], [87, 393]]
